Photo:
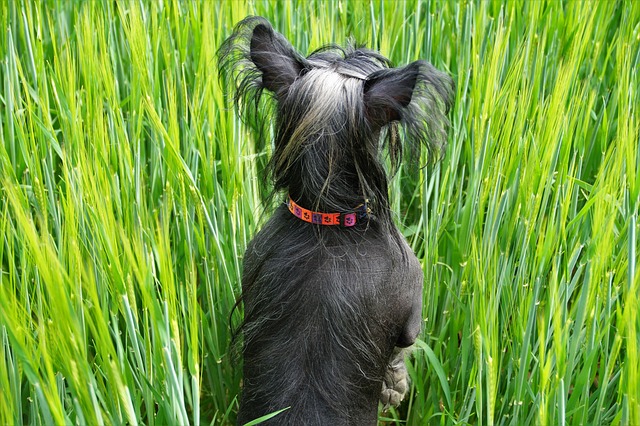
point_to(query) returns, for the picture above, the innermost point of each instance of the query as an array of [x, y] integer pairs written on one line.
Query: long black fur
[[325, 306]]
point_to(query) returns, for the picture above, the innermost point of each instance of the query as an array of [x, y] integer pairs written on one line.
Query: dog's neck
[[340, 188]]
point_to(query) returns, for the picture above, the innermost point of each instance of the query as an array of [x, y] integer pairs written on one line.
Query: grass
[[129, 191]]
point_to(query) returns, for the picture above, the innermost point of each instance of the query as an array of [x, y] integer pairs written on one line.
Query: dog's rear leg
[[396, 380]]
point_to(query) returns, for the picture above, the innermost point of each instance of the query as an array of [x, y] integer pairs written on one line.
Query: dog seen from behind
[[331, 290]]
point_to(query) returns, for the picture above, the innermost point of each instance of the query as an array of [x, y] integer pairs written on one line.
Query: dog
[[332, 292]]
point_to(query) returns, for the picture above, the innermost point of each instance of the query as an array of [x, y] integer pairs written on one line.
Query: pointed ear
[[388, 92], [276, 59], [419, 97]]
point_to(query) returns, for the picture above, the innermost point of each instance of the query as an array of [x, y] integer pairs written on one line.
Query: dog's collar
[[344, 219]]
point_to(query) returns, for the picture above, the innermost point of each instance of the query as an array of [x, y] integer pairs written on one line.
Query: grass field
[[130, 190]]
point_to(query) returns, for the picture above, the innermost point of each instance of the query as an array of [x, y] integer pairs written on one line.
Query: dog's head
[[336, 109]]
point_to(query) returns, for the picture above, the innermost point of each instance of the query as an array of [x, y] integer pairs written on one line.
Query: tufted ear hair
[[255, 57], [417, 97], [387, 92], [274, 56]]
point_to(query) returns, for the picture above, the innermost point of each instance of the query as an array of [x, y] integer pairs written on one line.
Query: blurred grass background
[[130, 190]]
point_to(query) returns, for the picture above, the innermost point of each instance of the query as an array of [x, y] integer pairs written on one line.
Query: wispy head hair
[[336, 110]]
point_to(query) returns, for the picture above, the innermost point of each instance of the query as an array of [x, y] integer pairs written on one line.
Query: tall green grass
[[130, 190]]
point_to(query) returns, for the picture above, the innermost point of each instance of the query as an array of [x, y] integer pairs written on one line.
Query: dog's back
[[322, 320]]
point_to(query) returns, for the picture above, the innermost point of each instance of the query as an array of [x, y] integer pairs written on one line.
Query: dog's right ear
[[418, 97], [388, 92], [272, 54]]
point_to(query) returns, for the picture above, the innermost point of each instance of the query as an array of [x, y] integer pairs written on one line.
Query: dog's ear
[[388, 92], [276, 59], [255, 57], [418, 96]]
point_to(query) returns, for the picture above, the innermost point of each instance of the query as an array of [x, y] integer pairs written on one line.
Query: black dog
[[330, 287]]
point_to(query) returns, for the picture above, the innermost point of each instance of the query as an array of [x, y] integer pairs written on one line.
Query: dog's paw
[[396, 382]]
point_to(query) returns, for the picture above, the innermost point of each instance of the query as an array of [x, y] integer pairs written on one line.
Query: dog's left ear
[[256, 57], [274, 56]]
